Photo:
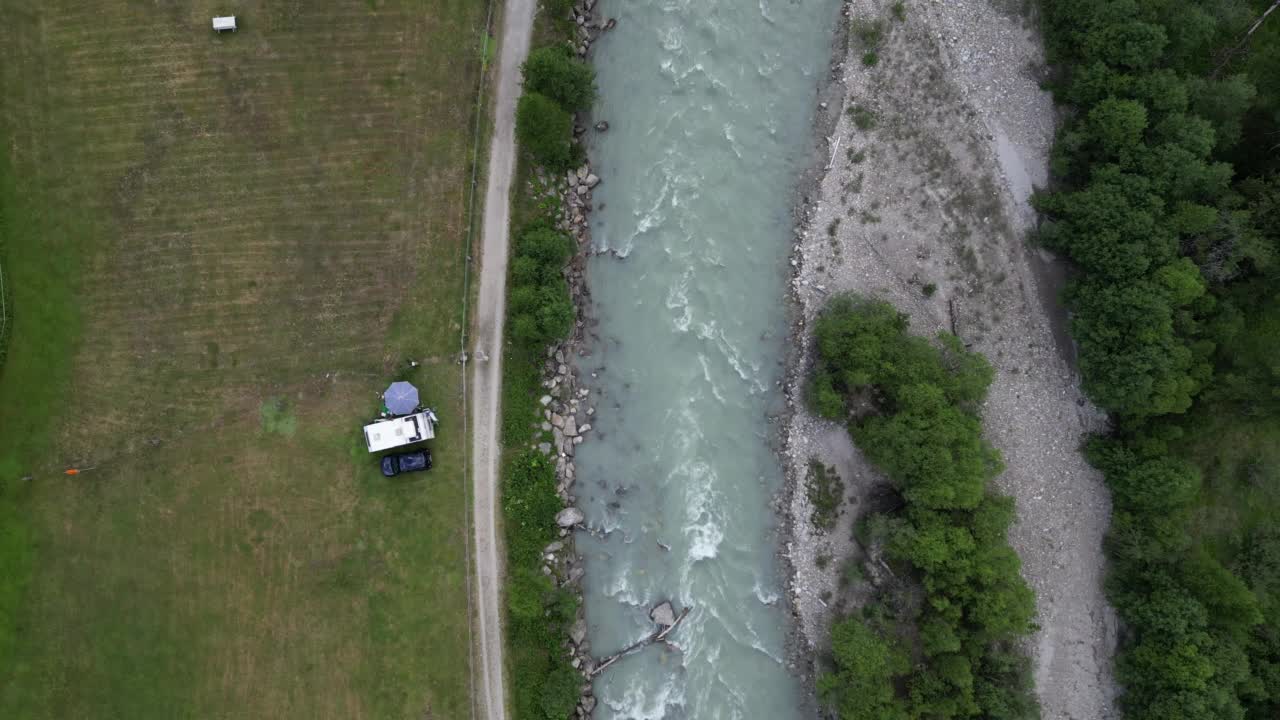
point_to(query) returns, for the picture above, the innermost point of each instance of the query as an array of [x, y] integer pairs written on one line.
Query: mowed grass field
[[218, 250]]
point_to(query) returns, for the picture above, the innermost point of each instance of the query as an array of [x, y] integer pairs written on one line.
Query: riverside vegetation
[[939, 637], [1167, 199], [540, 313]]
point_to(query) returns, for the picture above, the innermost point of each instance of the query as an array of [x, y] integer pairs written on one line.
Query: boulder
[[592, 180], [578, 632], [570, 426], [571, 516], [663, 614], [602, 126]]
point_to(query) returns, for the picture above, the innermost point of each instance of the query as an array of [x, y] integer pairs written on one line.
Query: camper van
[[400, 431]]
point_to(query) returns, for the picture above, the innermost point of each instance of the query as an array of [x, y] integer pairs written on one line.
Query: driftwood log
[[659, 635]]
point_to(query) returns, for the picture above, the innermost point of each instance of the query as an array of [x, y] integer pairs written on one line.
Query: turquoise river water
[[710, 105]]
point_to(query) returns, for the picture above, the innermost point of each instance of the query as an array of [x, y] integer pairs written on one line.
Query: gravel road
[[486, 385], [925, 204]]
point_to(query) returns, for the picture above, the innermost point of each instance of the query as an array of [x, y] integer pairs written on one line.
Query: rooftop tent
[[401, 398], [224, 23]]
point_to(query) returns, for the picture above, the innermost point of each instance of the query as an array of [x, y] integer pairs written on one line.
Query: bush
[[545, 130], [825, 491], [539, 305], [555, 73]]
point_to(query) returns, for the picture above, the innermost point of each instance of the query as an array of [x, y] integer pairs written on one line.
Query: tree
[[555, 73], [544, 131], [867, 667]]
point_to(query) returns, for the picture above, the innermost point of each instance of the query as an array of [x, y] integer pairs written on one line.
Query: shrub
[[545, 130], [555, 73], [538, 304], [825, 491]]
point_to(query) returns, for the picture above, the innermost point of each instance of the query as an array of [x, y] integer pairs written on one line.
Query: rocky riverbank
[[934, 132]]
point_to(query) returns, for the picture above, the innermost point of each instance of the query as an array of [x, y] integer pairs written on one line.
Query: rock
[[582, 189], [571, 516], [570, 426], [583, 171], [588, 704], [545, 400], [578, 632], [662, 614], [602, 126], [554, 547], [586, 427], [545, 426], [592, 180], [575, 573], [557, 420], [544, 448], [613, 23]]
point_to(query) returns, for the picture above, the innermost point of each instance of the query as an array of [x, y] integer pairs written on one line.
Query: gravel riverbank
[[933, 151]]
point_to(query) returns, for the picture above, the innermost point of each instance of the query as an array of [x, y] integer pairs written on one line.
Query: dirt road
[[517, 26]]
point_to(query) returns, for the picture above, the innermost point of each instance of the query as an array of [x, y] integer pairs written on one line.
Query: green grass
[[218, 249]]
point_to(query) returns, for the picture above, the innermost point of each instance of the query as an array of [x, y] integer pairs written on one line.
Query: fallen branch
[[1238, 49], [659, 635]]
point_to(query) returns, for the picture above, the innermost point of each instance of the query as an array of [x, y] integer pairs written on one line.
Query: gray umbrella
[[401, 398]]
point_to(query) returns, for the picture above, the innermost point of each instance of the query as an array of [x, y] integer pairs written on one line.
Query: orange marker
[[72, 471]]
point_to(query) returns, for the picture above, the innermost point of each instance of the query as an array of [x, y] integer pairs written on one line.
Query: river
[[710, 105]]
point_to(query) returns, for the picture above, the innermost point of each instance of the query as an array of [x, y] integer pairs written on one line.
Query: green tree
[[555, 73], [866, 669], [545, 130]]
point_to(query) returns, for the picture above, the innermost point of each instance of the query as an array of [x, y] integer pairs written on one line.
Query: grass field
[[218, 249]]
